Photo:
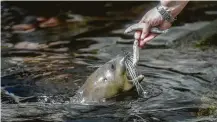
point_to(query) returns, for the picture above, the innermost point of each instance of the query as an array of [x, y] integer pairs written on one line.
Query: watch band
[[165, 13]]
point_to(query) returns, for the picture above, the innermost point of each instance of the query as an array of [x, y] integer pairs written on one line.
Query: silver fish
[[139, 26], [158, 31]]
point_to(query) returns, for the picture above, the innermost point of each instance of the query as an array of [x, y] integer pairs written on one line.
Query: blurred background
[[48, 49]]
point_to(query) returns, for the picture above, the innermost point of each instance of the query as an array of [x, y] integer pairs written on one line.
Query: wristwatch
[[166, 14]]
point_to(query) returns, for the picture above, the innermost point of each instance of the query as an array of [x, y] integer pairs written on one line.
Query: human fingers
[[137, 35], [149, 37]]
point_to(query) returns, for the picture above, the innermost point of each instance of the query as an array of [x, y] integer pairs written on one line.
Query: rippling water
[[42, 70]]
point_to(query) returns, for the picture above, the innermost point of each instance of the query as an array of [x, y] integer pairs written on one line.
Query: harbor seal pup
[[106, 82]]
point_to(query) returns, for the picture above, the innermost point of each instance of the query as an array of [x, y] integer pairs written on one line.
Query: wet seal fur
[[106, 82]]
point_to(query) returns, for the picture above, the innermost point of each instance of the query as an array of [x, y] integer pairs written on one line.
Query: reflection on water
[[42, 70]]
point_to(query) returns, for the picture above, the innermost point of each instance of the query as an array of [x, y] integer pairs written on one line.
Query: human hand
[[143, 29]]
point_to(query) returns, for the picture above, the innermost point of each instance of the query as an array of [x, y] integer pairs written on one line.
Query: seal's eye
[[105, 79], [113, 67]]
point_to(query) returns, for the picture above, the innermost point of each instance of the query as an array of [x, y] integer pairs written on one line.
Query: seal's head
[[106, 82]]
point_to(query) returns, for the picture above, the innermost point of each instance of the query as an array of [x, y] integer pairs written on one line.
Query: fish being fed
[[108, 81]]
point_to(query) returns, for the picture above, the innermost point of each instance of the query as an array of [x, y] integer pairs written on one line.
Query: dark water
[[41, 70]]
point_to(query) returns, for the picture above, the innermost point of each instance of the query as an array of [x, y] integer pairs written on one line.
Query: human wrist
[[175, 7], [165, 13]]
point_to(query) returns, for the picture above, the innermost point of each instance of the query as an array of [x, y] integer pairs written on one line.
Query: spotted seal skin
[[106, 82]]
